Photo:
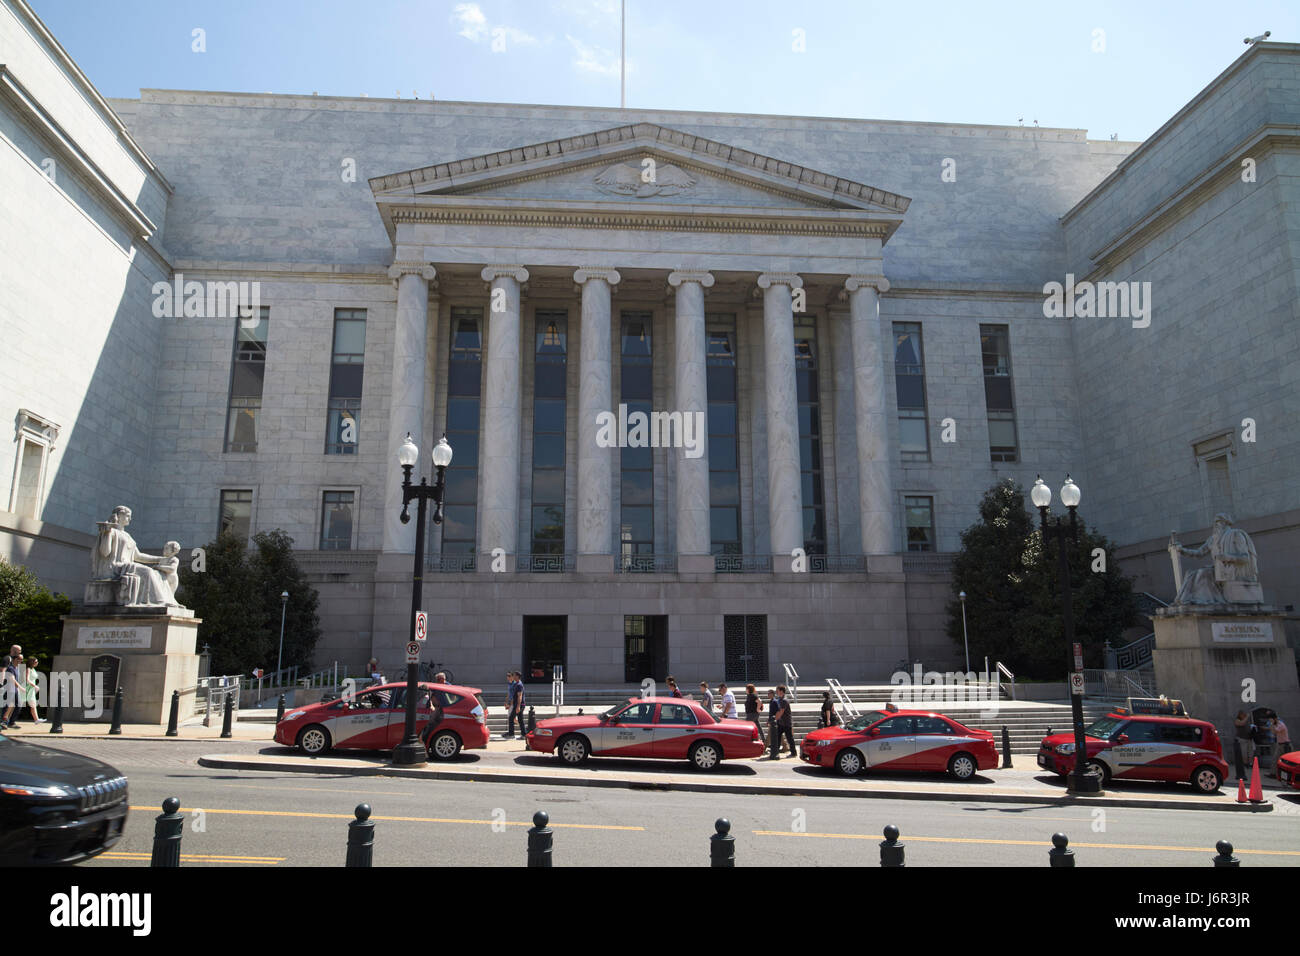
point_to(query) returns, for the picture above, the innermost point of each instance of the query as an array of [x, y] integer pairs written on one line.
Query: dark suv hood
[[32, 764]]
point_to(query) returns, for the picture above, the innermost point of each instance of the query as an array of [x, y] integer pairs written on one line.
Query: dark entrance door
[[744, 639], [544, 647], [645, 647]]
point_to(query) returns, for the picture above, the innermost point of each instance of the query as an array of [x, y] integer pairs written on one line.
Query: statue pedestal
[[155, 655], [1209, 656]]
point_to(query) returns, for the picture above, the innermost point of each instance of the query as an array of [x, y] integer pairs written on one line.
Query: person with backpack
[[828, 718]]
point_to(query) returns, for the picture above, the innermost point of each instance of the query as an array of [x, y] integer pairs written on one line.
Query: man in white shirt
[[728, 701]]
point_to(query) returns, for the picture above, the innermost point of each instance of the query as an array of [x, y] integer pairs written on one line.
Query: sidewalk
[[40, 733]]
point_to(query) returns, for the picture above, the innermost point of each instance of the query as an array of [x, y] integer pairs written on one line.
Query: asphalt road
[[262, 819]]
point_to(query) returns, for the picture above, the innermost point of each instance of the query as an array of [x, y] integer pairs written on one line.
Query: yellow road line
[[350, 816], [1043, 843]]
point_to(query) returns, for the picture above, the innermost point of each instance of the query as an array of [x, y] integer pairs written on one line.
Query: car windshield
[[1103, 729], [612, 711], [865, 721]]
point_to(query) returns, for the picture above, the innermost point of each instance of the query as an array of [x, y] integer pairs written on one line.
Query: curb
[[237, 762]]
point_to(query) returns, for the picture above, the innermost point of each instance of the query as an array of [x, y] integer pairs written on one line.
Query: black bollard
[[1060, 854], [279, 710], [116, 726], [174, 718], [226, 717], [1006, 748], [167, 829], [1225, 857], [722, 845], [532, 720], [56, 720], [540, 837], [891, 851], [361, 838]]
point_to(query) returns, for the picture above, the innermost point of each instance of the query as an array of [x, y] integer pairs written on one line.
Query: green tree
[[35, 625], [17, 583], [237, 595], [1013, 591]]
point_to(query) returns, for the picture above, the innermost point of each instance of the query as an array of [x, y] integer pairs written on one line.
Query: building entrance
[[645, 647]]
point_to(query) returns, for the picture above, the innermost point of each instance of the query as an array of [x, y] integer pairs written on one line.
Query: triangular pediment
[[638, 163]]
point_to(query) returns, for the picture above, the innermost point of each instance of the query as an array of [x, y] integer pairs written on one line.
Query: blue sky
[[988, 62]]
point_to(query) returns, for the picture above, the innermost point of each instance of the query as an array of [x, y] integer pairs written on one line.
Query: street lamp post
[[411, 750], [279, 660], [1080, 782], [964, 639]]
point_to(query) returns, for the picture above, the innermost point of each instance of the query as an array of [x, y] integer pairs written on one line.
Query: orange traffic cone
[[1241, 789], [1256, 785]]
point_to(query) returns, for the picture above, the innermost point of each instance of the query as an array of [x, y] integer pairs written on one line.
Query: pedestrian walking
[[514, 705], [31, 689], [1244, 728], [706, 697], [783, 723], [753, 707], [727, 701], [672, 686], [10, 691], [828, 718], [773, 715]]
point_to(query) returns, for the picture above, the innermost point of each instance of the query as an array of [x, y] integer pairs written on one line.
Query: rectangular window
[[336, 521], [548, 439], [27, 496], [246, 375], [636, 522], [909, 384], [236, 513], [724, 467], [920, 523], [347, 368], [995, 346], [464, 391], [810, 442]]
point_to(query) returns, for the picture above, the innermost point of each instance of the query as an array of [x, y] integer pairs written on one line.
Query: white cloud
[[474, 26], [593, 59]]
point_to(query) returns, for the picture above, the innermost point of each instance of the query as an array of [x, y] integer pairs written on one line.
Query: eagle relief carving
[[645, 179]]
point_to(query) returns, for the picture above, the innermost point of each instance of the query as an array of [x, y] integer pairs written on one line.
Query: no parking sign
[[413, 653]]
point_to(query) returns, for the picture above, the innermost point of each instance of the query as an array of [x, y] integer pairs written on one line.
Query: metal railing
[[836, 563], [1133, 656], [842, 700], [927, 562], [450, 563], [645, 563], [548, 563], [742, 563], [792, 682], [1005, 672], [1119, 685]]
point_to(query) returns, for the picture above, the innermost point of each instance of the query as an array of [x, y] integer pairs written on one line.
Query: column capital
[[702, 276], [518, 273], [410, 267], [608, 273], [855, 282], [769, 279]]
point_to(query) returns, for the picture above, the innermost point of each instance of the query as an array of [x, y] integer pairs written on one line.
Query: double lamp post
[[1080, 781], [411, 750]]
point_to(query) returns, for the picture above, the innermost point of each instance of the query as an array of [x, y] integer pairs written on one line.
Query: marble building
[[856, 308]]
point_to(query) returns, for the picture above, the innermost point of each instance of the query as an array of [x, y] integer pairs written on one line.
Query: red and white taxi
[[656, 727], [1288, 769], [901, 740], [375, 719], [1127, 746]]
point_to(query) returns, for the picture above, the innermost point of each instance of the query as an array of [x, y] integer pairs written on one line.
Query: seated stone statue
[[1234, 576], [116, 560]]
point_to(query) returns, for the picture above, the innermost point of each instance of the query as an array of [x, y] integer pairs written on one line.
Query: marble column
[[498, 506], [785, 494], [694, 541], [406, 407], [871, 407], [595, 506]]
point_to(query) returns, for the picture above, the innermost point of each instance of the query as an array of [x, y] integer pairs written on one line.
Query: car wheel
[[444, 746], [573, 750], [1096, 766], [314, 740], [705, 755], [962, 766], [849, 762], [1206, 780]]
